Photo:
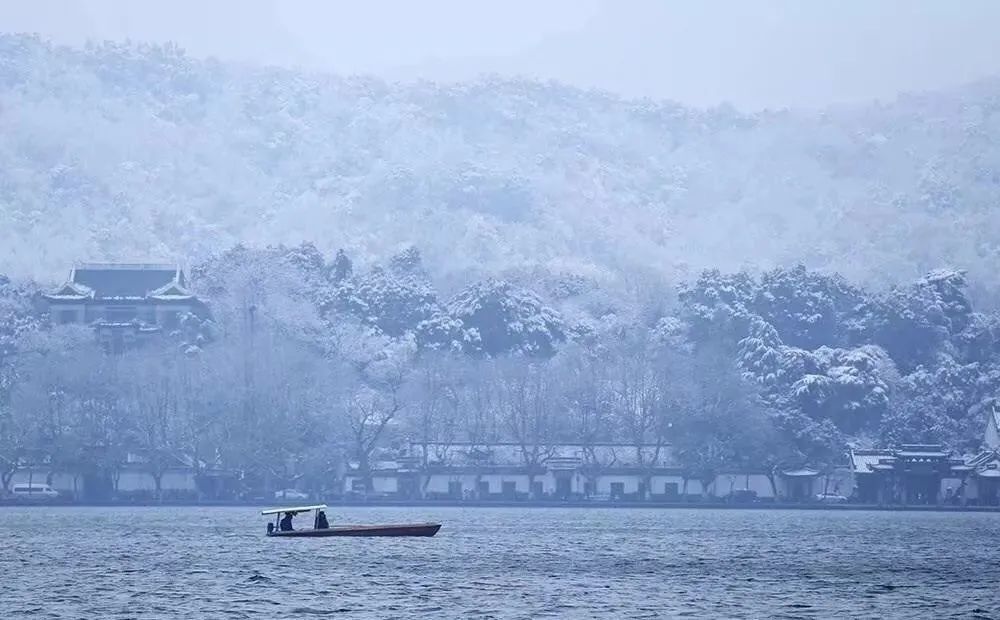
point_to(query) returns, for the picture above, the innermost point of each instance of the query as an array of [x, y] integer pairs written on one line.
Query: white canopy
[[274, 511]]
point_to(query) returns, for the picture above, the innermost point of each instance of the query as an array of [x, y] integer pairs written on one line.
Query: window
[[64, 317]]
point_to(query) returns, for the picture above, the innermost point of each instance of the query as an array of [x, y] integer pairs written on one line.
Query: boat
[[393, 529]]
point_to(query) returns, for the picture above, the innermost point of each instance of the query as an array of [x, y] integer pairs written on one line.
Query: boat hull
[[402, 529]]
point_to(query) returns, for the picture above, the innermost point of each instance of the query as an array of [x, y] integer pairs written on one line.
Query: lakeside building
[[124, 302], [506, 471], [914, 474], [180, 477]]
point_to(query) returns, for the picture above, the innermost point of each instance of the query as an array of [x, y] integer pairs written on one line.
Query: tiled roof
[[172, 290], [863, 461], [928, 455], [124, 280], [604, 455], [984, 457]]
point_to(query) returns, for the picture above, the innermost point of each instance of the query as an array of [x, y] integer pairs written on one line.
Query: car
[[830, 498], [291, 494], [33, 491]]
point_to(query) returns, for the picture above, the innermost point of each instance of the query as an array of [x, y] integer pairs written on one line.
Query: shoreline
[[509, 504]]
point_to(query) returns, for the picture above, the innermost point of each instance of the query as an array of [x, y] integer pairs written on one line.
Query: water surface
[[502, 563]]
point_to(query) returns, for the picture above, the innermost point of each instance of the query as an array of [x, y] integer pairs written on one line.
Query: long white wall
[[128, 481], [724, 484]]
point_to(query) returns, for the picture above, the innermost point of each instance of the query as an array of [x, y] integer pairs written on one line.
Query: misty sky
[[702, 52]]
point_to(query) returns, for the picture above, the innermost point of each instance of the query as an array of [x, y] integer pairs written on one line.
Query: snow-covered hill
[[116, 151]]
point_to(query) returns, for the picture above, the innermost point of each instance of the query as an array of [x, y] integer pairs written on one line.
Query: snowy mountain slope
[[115, 152]]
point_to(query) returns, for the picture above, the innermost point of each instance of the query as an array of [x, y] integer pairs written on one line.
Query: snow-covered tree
[[502, 318]]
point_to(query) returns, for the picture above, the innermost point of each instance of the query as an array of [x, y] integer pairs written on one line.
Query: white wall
[[438, 483], [604, 482], [385, 484], [131, 481], [128, 481]]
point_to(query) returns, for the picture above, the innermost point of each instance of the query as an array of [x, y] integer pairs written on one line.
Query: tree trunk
[[774, 484], [365, 469], [706, 487], [158, 484]]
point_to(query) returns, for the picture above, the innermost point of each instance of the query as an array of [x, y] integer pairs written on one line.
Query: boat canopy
[[274, 511]]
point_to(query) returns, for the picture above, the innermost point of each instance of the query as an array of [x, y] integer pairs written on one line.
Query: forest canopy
[[498, 260], [135, 152], [307, 361]]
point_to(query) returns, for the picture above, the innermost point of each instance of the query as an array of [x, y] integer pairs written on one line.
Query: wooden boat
[[395, 529]]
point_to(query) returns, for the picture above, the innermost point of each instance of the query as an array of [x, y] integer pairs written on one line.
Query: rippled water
[[502, 563]]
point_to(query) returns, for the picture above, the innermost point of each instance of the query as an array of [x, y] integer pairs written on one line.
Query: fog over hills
[[128, 151], [496, 260]]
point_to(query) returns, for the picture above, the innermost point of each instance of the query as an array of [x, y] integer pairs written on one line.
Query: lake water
[[502, 563]]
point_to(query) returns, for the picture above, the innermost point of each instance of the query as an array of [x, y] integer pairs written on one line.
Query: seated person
[[286, 522], [321, 522]]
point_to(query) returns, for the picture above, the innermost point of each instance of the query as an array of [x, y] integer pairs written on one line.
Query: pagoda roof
[[124, 282], [171, 291], [72, 291], [985, 457]]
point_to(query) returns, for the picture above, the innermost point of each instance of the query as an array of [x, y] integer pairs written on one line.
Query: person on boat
[[321, 522], [286, 522]]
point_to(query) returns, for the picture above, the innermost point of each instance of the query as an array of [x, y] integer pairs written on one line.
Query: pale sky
[[776, 53]]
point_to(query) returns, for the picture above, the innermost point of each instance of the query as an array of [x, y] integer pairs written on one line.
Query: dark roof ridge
[[128, 266]]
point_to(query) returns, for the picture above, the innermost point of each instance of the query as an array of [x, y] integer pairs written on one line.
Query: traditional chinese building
[[983, 487], [506, 471], [915, 474], [124, 302]]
